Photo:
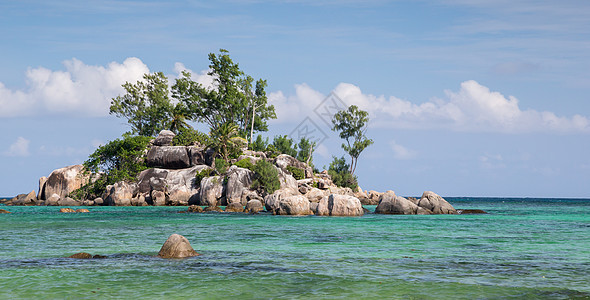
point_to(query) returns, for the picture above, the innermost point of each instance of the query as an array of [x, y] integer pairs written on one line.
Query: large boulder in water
[[340, 205], [168, 157], [254, 206], [64, 181], [396, 205], [239, 179], [296, 205], [177, 246], [436, 204]]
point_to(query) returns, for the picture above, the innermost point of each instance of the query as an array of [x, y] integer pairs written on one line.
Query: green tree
[[118, 160], [178, 123], [232, 99], [145, 105], [285, 145], [339, 170], [352, 125], [306, 149], [259, 144]]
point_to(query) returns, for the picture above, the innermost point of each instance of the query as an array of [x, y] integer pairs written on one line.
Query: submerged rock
[[234, 207], [66, 210], [213, 208], [81, 255], [195, 209], [470, 211], [82, 210], [3, 211], [177, 246]]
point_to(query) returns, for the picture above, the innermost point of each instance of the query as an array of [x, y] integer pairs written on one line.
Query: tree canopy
[[146, 105], [232, 99], [352, 125]]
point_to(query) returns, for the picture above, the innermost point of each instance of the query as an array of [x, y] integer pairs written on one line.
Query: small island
[[164, 161]]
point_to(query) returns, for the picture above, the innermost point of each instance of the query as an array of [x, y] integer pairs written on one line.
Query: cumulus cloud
[[80, 89], [473, 107], [19, 148]]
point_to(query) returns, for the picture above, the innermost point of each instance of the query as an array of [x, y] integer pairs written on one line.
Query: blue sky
[[466, 98]]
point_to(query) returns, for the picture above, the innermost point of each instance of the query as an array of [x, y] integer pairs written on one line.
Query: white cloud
[[19, 148], [80, 89], [492, 161], [400, 152], [203, 78], [473, 108]]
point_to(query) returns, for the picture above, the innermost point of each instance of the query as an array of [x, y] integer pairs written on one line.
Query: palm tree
[[225, 139], [179, 116]]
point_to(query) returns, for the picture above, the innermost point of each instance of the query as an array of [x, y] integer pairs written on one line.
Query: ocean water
[[524, 248]]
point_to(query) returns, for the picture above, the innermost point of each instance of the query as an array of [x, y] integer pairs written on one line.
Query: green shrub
[[340, 172], [271, 151], [297, 173], [202, 174], [266, 177], [118, 160], [245, 163], [188, 136], [221, 166]]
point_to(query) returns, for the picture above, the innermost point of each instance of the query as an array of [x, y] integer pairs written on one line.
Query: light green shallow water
[[525, 248]]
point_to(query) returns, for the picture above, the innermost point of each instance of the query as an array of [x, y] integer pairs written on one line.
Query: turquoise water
[[525, 248]]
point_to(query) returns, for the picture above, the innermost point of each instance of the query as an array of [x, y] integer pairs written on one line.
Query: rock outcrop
[[177, 246], [120, 194], [239, 180], [234, 207], [283, 161], [339, 205], [164, 138], [254, 206], [396, 205], [29, 199], [436, 204], [211, 191], [296, 205], [168, 157], [64, 181]]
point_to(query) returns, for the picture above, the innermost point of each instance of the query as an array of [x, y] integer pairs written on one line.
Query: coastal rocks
[[470, 211], [270, 200], [164, 138], [283, 161], [315, 195], [211, 190], [120, 194], [42, 182], [66, 210], [64, 181], [339, 205], [234, 207], [254, 206], [436, 204], [292, 205], [82, 210], [239, 179], [212, 209], [29, 199], [168, 157], [67, 201], [177, 246], [287, 180], [196, 155], [53, 200], [195, 209], [372, 198], [392, 204]]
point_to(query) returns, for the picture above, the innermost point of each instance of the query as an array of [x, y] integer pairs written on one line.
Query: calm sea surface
[[524, 248]]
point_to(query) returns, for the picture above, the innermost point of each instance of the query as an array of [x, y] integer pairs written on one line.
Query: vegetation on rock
[[339, 170], [266, 177]]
